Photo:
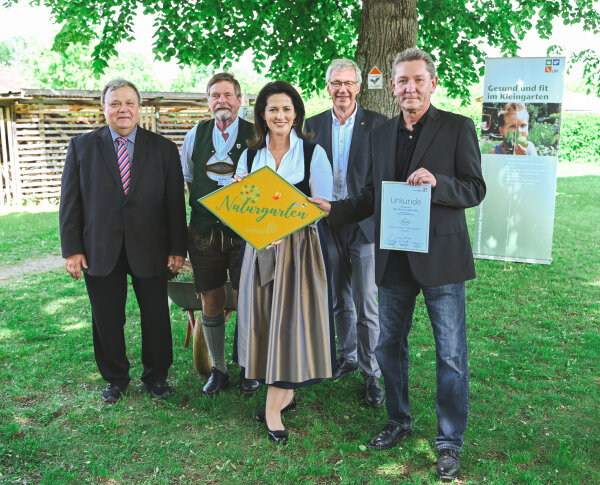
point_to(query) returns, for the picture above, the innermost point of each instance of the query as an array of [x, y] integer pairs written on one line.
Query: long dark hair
[[260, 125]]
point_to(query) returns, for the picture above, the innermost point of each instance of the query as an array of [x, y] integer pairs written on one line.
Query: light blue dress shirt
[[341, 138]]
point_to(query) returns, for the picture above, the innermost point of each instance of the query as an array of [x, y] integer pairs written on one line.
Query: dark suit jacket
[[448, 148], [96, 216], [358, 158]]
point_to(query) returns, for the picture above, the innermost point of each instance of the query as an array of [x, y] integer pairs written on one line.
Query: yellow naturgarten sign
[[262, 208]]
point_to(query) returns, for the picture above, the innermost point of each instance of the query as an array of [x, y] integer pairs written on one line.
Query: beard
[[223, 112]]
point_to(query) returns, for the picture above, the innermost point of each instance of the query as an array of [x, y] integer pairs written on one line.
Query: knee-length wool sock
[[214, 332]]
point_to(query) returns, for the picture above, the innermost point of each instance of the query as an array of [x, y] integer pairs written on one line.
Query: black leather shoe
[[279, 436], [158, 389], [113, 393], [344, 367], [217, 381], [249, 386], [374, 393], [389, 437], [260, 416], [448, 465]]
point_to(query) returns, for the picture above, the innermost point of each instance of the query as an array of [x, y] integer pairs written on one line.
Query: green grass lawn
[[535, 386], [25, 235]]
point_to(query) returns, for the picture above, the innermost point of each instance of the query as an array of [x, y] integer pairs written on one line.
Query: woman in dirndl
[[285, 323]]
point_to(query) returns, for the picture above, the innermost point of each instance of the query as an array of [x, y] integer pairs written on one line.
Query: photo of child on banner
[[518, 128]]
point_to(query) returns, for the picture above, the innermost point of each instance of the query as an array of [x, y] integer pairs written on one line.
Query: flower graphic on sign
[[277, 195], [250, 192]]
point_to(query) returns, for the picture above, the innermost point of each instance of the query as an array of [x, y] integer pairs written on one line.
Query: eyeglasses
[[339, 84]]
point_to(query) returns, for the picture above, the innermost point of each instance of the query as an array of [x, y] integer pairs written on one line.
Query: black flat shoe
[[279, 436], [260, 416]]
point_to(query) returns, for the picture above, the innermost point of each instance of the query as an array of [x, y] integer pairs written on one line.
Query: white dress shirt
[[221, 146], [291, 167]]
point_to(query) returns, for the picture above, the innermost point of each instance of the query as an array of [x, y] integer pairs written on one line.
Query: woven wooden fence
[[36, 126]]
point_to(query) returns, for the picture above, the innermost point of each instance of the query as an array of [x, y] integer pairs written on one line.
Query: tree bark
[[386, 28]]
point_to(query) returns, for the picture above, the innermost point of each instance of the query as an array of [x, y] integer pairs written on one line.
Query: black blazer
[[358, 158], [96, 216], [448, 148]]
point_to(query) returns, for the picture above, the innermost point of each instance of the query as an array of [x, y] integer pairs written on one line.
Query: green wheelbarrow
[[183, 294]]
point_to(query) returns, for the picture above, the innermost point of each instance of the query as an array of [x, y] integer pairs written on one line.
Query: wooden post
[[144, 116], [43, 177], [15, 176], [5, 195]]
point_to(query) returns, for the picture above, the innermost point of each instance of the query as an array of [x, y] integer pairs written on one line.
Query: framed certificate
[[262, 208], [405, 216]]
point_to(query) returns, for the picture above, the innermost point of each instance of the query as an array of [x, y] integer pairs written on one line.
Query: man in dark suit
[[342, 131], [423, 145], [122, 211]]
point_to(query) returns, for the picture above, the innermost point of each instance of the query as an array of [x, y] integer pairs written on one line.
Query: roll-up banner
[[520, 131]]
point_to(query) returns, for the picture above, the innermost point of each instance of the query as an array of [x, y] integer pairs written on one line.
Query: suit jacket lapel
[[140, 155], [357, 134], [389, 139], [430, 128], [109, 155], [326, 125]]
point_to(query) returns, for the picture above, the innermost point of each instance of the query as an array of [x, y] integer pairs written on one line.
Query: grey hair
[[414, 54], [117, 84], [225, 76], [342, 65]]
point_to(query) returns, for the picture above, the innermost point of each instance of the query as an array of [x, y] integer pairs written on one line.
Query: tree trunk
[[386, 28]]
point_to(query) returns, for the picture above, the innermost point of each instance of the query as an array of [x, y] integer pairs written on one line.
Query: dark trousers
[[108, 295]]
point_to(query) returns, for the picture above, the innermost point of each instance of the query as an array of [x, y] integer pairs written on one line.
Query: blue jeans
[[446, 309]]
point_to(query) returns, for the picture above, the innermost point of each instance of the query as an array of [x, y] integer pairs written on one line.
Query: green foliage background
[[297, 39], [580, 138], [41, 67]]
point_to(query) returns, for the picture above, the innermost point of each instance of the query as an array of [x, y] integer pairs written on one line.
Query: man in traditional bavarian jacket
[[209, 158]]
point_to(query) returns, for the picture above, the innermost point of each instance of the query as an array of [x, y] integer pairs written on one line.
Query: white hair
[[342, 65]]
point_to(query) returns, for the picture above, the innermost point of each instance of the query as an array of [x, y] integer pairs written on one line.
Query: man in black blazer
[[122, 211], [342, 131], [423, 145]]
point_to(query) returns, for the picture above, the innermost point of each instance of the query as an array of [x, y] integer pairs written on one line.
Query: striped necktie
[[123, 161]]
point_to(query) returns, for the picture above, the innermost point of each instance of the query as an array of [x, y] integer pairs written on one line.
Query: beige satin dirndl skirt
[[283, 311]]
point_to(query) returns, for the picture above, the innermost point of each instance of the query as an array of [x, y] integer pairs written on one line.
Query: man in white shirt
[[209, 158], [342, 132]]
